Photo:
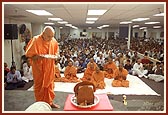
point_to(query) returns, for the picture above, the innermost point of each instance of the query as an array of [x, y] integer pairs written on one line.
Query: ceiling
[[76, 13]]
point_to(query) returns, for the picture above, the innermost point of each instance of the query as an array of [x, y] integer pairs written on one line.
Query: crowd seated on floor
[[84, 55]]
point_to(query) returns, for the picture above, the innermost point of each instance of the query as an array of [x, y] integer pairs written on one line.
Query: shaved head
[[48, 33]]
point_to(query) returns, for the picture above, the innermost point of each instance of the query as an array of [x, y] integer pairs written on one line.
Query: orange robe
[[109, 69], [87, 74], [98, 79], [43, 69], [70, 74], [120, 78], [57, 74]]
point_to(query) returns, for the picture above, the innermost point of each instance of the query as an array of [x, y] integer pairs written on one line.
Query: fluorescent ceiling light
[[135, 26], [160, 14], [105, 26], [55, 19], [142, 28], [40, 12], [126, 22], [63, 22], [49, 23], [90, 22], [89, 27], [99, 27], [140, 19], [96, 12], [74, 27], [60, 27], [152, 22], [68, 25], [91, 19], [156, 26]]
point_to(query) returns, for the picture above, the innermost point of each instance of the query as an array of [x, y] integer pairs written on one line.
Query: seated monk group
[[120, 76], [109, 68], [95, 75]]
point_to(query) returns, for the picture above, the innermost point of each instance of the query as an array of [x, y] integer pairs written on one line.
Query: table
[[103, 105]]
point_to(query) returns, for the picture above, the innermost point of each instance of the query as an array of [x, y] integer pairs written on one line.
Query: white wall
[[36, 29], [155, 33], [17, 45], [75, 33]]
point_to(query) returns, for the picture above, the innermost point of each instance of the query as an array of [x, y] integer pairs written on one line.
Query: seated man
[[88, 72], [6, 70], [27, 71], [98, 78], [57, 71], [109, 68], [145, 60], [138, 69], [70, 73], [120, 76], [158, 73], [128, 66], [14, 79]]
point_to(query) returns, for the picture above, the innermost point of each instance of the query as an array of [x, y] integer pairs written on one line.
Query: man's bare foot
[[55, 106]]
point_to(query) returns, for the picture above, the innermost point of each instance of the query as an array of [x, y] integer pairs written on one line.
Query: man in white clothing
[[27, 71], [138, 69]]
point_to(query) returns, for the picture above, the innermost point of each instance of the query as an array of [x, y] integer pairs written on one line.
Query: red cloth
[[103, 105]]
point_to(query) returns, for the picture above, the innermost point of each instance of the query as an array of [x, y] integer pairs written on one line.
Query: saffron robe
[[87, 74], [120, 78], [98, 79], [43, 68], [70, 74], [109, 69]]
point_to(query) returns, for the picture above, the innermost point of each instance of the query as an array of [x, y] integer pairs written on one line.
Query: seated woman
[[120, 76], [14, 79], [88, 72], [70, 73], [98, 78]]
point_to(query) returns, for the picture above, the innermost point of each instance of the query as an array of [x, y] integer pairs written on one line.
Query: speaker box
[[10, 31]]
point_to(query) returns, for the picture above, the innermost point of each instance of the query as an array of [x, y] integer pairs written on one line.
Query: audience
[[85, 55]]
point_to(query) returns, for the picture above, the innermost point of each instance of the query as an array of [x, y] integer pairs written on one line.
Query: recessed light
[[142, 28], [152, 22], [135, 26], [63, 22], [140, 19], [160, 14], [91, 19], [40, 12], [90, 22], [156, 26], [126, 22], [55, 19], [96, 12], [49, 23]]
